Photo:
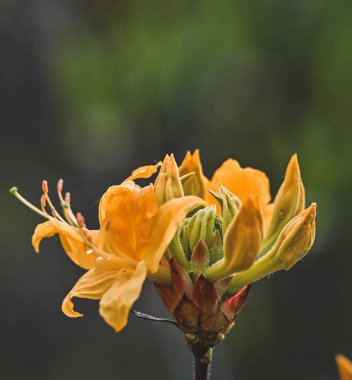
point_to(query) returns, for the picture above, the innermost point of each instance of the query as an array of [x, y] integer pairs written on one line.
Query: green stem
[[262, 267], [162, 277], [201, 363]]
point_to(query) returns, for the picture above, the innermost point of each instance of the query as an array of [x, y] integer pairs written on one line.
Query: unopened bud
[[296, 238], [293, 243], [289, 202], [202, 226], [196, 185], [241, 242], [168, 183], [229, 203]]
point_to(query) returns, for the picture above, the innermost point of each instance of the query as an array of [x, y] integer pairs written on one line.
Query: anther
[[45, 186], [43, 201], [60, 185]]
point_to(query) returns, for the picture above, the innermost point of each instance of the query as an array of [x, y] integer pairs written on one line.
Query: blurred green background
[[90, 89]]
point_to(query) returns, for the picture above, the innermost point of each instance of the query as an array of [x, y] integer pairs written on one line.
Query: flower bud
[[296, 238], [202, 226], [196, 184], [229, 203], [293, 243], [289, 202], [168, 183], [241, 242], [199, 226]]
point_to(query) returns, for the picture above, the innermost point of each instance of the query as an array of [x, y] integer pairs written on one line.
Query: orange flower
[[134, 233], [344, 367], [153, 231]]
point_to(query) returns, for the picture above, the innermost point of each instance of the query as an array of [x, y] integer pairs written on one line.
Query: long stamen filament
[[53, 210], [69, 215], [15, 192]]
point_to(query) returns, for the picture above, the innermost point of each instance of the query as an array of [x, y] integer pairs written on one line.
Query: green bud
[[230, 204], [216, 249], [202, 227]]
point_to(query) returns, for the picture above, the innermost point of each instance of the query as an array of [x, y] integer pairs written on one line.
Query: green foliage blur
[[92, 89]]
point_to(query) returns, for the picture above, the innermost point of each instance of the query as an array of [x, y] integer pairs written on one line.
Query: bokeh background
[[91, 89]]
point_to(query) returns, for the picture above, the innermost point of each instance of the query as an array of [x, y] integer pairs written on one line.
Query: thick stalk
[[201, 363]]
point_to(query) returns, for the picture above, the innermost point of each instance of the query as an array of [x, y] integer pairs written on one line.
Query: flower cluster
[[201, 241]]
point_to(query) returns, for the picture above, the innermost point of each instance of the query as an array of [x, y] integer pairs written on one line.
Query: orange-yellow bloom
[[134, 233], [344, 367]]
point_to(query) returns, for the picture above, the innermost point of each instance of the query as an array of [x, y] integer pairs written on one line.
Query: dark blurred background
[[90, 89]]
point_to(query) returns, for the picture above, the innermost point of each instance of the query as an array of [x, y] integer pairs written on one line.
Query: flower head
[[203, 242], [133, 236]]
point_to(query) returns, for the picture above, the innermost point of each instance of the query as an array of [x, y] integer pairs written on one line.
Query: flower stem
[[201, 362]]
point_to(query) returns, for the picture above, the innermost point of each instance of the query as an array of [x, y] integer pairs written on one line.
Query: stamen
[[87, 235], [43, 202], [68, 198], [80, 220], [15, 192], [45, 186], [55, 214], [60, 185], [65, 204]]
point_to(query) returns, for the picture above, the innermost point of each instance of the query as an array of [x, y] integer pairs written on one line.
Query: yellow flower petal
[[116, 303], [289, 202], [344, 366], [197, 185], [163, 229], [138, 227], [143, 172], [241, 242], [129, 211], [92, 285], [43, 230], [242, 182], [71, 241]]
